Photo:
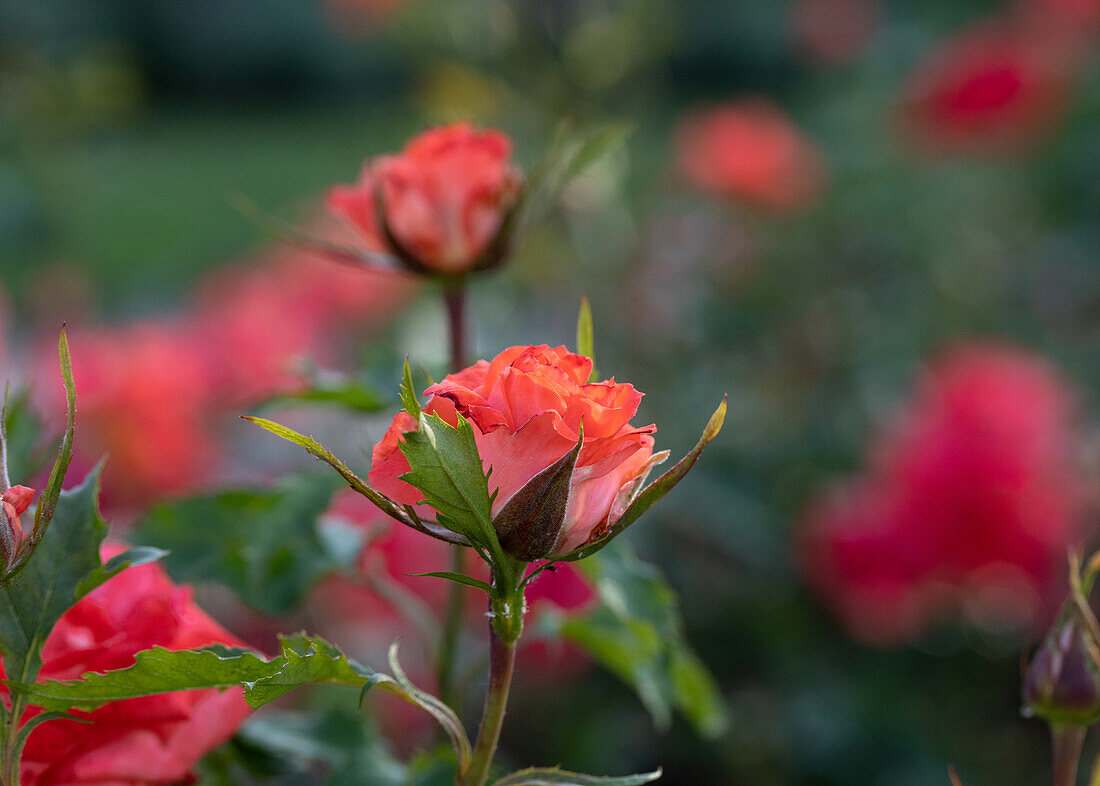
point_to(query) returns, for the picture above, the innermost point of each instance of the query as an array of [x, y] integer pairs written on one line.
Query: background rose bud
[[443, 198], [1062, 684], [526, 409], [151, 740], [15, 500]]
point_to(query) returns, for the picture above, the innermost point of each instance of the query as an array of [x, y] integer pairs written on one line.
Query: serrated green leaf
[[268, 548], [154, 671], [655, 490], [409, 399], [444, 465], [132, 557], [48, 585], [304, 660], [636, 632], [552, 776]]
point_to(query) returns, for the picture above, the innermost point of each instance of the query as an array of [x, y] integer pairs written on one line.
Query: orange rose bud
[[16, 500], [442, 206]]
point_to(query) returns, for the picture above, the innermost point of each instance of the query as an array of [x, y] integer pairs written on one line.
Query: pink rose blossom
[[526, 409]]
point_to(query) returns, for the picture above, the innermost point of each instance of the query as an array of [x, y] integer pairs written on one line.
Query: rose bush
[[444, 198], [526, 408], [150, 740]]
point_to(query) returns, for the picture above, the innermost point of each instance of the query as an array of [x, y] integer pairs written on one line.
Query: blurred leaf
[[554, 777], [586, 337], [345, 391], [27, 455], [132, 557], [267, 546], [53, 580], [335, 742], [637, 633], [569, 154]]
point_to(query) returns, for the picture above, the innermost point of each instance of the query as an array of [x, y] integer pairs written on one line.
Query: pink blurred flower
[[445, 196], [969, 502], [997, 86], [750, 151], [151, 740]]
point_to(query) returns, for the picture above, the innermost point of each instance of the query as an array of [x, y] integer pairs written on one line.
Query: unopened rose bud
[[1062, 684], [445, 205], [16, 500]]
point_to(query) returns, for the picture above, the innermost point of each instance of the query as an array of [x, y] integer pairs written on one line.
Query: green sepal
[[552, 776], [458, 578], [409, 398], [395, 510], [586, 336], [655, 490]]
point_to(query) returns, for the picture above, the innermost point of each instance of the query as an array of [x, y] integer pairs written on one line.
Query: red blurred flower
[[833, 31], [996, 86], [969, 500], [144, 396], [750, 151], [444, 197], [151, 740], [526, 407], [258, 323]]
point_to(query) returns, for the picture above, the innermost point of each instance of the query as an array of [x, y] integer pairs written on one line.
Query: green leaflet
[[267, 546], [52, 581], [445, 467], [304, 660], [552, 776]]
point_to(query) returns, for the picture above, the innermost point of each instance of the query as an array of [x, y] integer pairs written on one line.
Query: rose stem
[[502, 660], [454, 297], [1066, 741]]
